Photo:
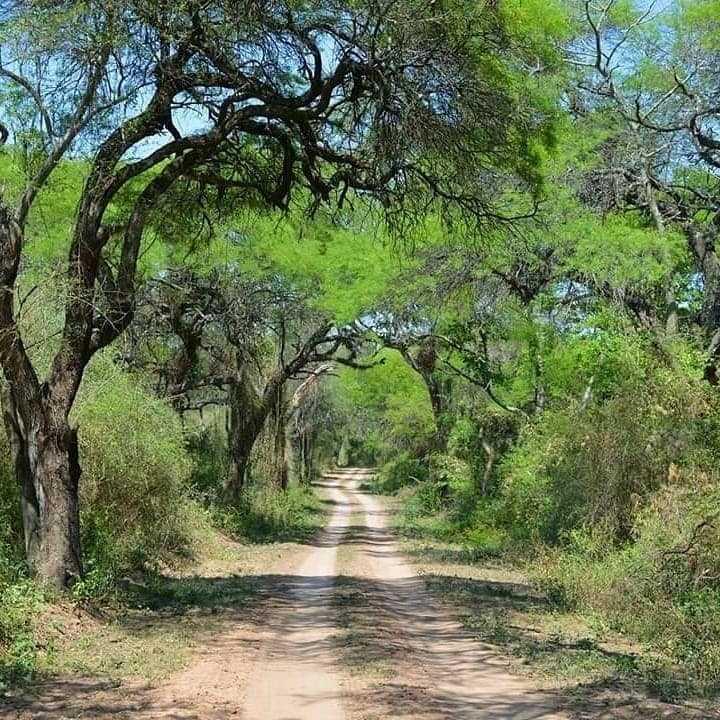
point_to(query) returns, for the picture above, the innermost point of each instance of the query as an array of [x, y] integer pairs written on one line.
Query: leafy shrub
[[636, 590], [211, 463], [135, 509], [480, 431], [662, 586], [11, 560], [19, 599], [620, 501], [601, 465], [134, 487], [268, 514], [456, 485], [404, 469]]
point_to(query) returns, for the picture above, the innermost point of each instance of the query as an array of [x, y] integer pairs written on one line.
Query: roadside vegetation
[[606, 510]]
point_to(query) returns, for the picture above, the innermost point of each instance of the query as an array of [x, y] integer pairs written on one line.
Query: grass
[[20, 603], [554, 646]]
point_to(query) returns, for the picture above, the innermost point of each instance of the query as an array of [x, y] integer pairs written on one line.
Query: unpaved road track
[[440, 672], [298, 660]]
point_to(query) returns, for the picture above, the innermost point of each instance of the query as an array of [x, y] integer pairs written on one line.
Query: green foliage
[[134, 492], [402, 470], [647, 592], [621, 252], [20, 600], [701, 17], [11, 537], [601, 464], [483, 429], [267, 514], [20, 604], [538, 24], [392, 397], [207, 445]]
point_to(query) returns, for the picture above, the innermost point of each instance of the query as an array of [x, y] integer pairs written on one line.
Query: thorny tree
[[230, 340], [255, 99]]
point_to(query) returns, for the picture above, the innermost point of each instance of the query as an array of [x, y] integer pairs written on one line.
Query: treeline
[[565, 402]]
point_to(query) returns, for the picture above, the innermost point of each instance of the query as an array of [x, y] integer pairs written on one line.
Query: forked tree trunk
[[46, 462]]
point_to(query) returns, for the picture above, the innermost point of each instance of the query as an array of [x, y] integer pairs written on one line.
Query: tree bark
[[303, 457], [46, 461], [245, 427], [488, 470], [703, 247], [249, 411], [439, 392]]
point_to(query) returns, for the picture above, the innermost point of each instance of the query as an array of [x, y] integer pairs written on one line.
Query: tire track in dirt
[[296, 676], [430, 667]]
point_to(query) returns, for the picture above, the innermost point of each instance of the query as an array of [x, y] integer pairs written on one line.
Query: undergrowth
[[657, 589], [265, 514]]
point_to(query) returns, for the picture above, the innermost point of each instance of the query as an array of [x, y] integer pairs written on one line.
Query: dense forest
[[470, 245]]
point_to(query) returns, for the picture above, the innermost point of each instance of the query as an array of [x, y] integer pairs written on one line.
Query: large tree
[[248, 100], [654, 69]]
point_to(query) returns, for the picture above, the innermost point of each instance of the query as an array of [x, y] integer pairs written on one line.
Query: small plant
[[19, 606]]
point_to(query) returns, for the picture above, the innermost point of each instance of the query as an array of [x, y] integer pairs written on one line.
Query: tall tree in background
[[665, 155]]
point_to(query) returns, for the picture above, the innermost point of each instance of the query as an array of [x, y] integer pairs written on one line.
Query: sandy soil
[[344, 630], [430, 666]]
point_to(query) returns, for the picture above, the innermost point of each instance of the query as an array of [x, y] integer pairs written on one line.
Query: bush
[[11, 538], [662, 584], [482, 430], [208, 448], [601, 466], [403, 470], [135, 506], [639, 590], [268, 514]]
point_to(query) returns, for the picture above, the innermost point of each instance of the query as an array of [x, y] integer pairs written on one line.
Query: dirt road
[[343, 630], [432, 668]]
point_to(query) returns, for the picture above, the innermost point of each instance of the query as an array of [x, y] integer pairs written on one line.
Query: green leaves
[[701, 18], [619, 251]]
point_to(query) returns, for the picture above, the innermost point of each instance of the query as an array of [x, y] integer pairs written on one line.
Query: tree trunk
[[439, 392], [307, 465], [248, 413], [46, 462], [280, 444], [711, 315], [235, 484], [343, 455], [702, 245], [489, 465], [242, 441]]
